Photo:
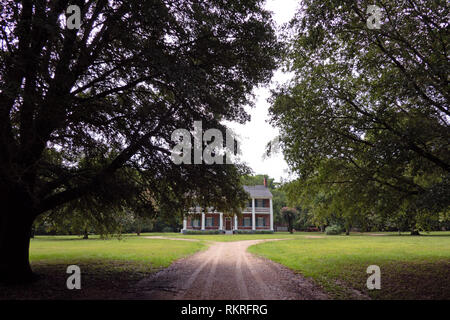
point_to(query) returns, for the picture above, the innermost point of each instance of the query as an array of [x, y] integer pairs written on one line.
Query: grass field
[[412, 267], [110, 268], [149, 254]]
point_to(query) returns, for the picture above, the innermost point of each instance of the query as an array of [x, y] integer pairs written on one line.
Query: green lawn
[[412, 267], [110, 269], [149, 254]]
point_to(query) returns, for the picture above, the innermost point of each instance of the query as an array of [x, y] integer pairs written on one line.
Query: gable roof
[[259, 191]]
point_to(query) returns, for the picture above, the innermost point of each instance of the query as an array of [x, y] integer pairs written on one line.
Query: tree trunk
[[15, 233], [86, 234], [138, 226], [415, 233]]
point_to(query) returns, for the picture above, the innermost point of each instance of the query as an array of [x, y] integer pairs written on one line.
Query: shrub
[[252, 231], [167, 229], [203, 231], [333, 230]]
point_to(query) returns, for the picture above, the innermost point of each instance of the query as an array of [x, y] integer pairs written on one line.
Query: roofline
[[269, 196]]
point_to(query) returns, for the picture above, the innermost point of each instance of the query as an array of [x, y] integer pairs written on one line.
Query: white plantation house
[[256, 216]]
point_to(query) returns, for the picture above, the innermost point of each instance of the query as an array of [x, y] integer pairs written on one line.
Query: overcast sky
[[256, 133]]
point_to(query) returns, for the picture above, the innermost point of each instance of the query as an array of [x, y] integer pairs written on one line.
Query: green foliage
[[87, 115], [333, 230], [252, 232], [167, 229], [303, 220], [100, 107], [289, 215], [364, 123], [278, 201], [203, 231], [258, 179]]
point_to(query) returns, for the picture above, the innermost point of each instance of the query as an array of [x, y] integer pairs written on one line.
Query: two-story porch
[[257, 215]]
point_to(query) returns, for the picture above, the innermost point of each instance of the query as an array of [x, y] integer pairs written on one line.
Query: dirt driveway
[[227, 271]]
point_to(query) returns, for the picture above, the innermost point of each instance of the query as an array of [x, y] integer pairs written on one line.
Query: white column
[[203, 220], [253, 214], [271, 215], [184, 223], [221, 221], [235, 222]]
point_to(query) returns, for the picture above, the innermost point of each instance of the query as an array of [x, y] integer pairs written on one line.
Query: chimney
[[265, 182]]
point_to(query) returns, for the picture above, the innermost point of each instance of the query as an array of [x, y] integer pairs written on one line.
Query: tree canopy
[[86, 115], [365, 121]]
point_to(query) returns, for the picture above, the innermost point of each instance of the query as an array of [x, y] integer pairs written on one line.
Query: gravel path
[[227, 271]]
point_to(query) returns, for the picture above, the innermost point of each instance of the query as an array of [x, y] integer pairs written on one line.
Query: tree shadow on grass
[[102, 280]]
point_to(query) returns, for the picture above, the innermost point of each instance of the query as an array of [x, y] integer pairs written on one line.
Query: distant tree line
[[129, 224]]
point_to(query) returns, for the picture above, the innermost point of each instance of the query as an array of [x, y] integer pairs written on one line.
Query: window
[[260, 222], [247, 222], [259, 203], [195, 223], [209, 221]]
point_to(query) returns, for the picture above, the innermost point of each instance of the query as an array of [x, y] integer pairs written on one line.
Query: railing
[[246, 210], [258, 209]]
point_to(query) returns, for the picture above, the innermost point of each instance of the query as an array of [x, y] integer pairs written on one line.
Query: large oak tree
[[83, 112], [365, 121]]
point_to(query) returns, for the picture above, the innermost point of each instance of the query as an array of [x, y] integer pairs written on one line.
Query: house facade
[[256, 216]]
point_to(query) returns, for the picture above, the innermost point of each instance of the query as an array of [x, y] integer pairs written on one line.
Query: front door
[[227, 223]]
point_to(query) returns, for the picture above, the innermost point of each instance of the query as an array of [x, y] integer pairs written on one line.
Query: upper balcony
[[257, 210]]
